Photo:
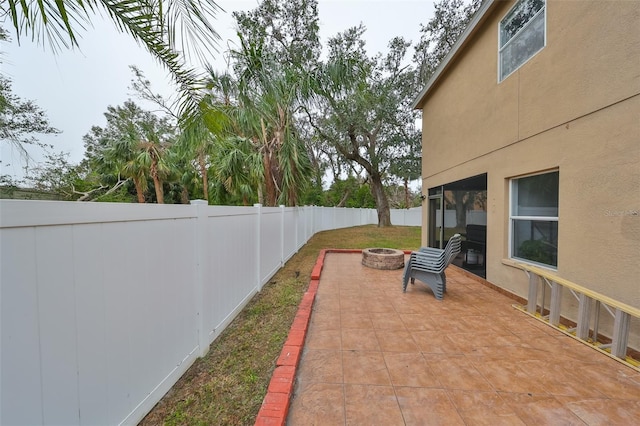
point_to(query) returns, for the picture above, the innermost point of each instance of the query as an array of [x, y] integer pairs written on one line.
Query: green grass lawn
[[227, 386]]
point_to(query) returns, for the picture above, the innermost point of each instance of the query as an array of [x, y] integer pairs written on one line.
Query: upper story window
[[522, 35], [534, 219]]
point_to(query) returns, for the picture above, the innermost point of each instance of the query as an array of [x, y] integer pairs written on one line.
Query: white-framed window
[[533, 229], [522, 34]]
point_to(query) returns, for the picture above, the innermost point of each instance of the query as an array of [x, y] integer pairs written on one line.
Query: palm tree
[[134, 145], [153, 158], [199, 135], [195, 143], [137, 172], [153, 150], [267, 99], [238, 166]]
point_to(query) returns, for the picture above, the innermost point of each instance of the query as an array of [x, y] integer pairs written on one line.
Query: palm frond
[[137, 18], [54, 22], [158, 28], [190, 19]]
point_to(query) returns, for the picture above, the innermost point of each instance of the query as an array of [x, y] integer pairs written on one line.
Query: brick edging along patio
[[275, 405]]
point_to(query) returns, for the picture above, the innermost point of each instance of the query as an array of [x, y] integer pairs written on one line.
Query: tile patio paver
[[374, 355]]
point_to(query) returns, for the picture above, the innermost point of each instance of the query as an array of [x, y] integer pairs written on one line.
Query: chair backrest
[[436, 260], [453, 248]]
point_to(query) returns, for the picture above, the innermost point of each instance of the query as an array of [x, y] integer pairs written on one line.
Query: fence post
[[281, 235], [296, 220], [314, 226], [200, 238], [258, 207]]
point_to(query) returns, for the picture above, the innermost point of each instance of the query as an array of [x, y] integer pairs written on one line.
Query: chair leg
[[405, 276], [433, 281]]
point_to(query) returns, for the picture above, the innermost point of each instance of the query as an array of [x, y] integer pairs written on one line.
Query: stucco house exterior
[[535, 114]]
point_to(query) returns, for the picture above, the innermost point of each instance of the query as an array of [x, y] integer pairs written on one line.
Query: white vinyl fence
[[104, 306], [474, 217]]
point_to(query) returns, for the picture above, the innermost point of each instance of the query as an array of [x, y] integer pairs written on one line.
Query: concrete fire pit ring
[[383, 258]]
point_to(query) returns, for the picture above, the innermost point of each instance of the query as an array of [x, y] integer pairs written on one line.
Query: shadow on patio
[[375, 355]]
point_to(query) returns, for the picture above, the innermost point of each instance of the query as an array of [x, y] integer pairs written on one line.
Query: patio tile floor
[[377, 356]]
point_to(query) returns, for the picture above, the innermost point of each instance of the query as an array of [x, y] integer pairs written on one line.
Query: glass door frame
[[436, 201]]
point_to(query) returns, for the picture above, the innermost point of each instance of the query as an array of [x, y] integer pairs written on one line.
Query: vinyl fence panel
[[19, 321], [407, 217], [231, 255], [289, 232], [104, 306], [270, 243]]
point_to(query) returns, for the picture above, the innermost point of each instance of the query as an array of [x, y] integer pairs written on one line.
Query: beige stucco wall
[[575, 107]]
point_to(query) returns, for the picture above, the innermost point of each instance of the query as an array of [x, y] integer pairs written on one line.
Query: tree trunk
[[344, 198], [269, 184], [260, 195], [406, 193], [382, 203], [461, 209], [157, 183], [159, 189], [205, 178], [184, 196], [269, 178], [139, 192]]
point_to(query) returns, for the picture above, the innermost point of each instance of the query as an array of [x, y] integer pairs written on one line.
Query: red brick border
[[275, 405]]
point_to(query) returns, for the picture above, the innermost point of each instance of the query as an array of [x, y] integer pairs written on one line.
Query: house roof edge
[[477, 20]]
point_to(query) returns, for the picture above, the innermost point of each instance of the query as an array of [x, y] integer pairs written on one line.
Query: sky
[[75, 87]]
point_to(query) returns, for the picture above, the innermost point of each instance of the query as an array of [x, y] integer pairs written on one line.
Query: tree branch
[[87, 195]]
